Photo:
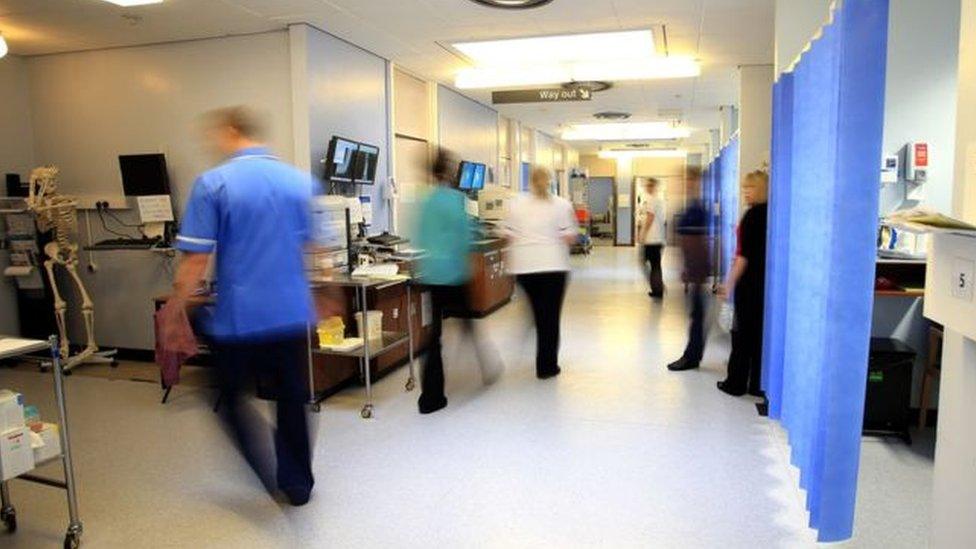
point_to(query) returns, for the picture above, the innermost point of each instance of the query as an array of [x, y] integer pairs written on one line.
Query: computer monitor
[[367, 158], [465, 175], [478, 180], [341, 160], [144, 174]]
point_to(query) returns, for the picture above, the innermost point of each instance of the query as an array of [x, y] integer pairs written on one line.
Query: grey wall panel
[[347, 97], [467, 127]]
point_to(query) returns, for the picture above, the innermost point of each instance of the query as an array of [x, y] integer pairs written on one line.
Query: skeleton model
[[57, 212]]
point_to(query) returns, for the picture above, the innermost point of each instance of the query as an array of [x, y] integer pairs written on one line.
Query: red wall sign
[[921, 155]]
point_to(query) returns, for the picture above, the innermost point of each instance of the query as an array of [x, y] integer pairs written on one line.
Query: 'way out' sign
[[545, 95]]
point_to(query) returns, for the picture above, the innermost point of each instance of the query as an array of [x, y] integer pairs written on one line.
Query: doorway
[[600, 200]]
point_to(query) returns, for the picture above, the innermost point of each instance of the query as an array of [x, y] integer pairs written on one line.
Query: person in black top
[[693, 236], [746, 284]]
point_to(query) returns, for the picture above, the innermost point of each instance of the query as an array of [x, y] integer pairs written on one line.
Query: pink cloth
[[175, 341]]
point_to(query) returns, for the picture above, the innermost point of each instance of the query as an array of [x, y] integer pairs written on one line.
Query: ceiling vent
[[611, 115], [513, 4], [592, 85]]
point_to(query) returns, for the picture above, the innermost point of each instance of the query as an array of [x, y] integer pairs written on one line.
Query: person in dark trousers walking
[[746, 285], [652, 218], [693, 235], [256, 210], [540, 228], [444, 232]]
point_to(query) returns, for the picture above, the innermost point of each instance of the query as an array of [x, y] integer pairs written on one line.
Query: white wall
[[921, 93], [16, 156], [796, 23], [964, 195], [90, 107], [347, 96], [954, 496], [467, 128], [755, 116]]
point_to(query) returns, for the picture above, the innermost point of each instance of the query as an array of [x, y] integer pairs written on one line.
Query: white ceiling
[[415, 33]]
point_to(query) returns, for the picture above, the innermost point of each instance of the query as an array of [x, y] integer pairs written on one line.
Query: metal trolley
[[8, 514]]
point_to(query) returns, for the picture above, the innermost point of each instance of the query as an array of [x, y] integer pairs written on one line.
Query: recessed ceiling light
[[130, 3], [513, 4], [654, 153], [633, 131], [550, 60], [563, 48]]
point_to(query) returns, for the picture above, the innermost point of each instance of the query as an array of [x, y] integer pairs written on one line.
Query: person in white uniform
[[651, 219], [540, 229]]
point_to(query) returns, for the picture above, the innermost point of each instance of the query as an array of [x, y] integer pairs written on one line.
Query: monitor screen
[[341, 160], [478, 180], [466, 175], [144, 174], [365, 167]]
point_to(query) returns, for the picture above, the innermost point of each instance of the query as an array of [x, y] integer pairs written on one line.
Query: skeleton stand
[[56, 212]]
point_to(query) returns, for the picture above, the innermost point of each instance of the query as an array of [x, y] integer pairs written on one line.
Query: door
[[412, 176]]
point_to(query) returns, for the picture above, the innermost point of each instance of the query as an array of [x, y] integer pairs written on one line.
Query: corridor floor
[[615, 452]]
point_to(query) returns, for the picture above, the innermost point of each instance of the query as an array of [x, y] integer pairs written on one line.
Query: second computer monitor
[[471, 176]]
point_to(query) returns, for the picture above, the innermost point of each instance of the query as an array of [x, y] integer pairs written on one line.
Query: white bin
[[375, 319]]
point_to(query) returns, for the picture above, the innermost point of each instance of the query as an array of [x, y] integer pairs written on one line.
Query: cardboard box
[[11, 410], [16, 455], [50, 447]]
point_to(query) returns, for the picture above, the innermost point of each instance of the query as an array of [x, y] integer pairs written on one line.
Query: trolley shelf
[[388, 342]]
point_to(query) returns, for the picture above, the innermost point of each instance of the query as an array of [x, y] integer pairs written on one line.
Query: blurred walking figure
[[692, 235], [540, 228], [254, 210], [746, 286], [444, 233], [652, 217]]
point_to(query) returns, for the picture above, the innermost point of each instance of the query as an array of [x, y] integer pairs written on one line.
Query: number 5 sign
[[962, 278]]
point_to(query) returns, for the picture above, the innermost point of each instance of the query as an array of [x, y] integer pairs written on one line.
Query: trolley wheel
[[66, 373], [411, 384], [9, 517], [316, 408], [113, 364], [367, 411], [72, 541]]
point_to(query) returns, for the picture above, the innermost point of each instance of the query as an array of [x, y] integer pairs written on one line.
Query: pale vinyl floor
[[615, 452]]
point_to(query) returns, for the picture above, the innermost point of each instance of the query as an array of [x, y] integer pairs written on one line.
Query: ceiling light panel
[[130, 3], [559, 49], [636, 131], [660, 153], [617, 70]]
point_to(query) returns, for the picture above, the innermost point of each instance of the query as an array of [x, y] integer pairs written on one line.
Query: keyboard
[[125, 244]]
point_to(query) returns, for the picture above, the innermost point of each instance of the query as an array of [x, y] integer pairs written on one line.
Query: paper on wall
[[155, 209]]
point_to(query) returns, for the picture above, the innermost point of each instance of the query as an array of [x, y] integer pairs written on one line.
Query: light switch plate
[[963, 270]]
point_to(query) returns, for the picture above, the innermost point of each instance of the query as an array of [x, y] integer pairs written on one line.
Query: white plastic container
[[16, 455], [375, 325], [11, 410], [50, 437]]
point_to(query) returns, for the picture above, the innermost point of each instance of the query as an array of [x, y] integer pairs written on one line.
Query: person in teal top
[[444, 234]]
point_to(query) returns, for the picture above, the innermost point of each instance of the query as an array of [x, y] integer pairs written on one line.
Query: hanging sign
[[543, 95]]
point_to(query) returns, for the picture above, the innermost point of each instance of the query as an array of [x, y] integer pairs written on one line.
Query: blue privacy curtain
[[729, 202], [823, 210]]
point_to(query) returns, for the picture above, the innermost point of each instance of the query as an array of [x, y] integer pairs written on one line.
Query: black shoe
[[655, 295], [682, 364], [429, 406], [759, 393], [726, 388], [297, 496], [548, 373]]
